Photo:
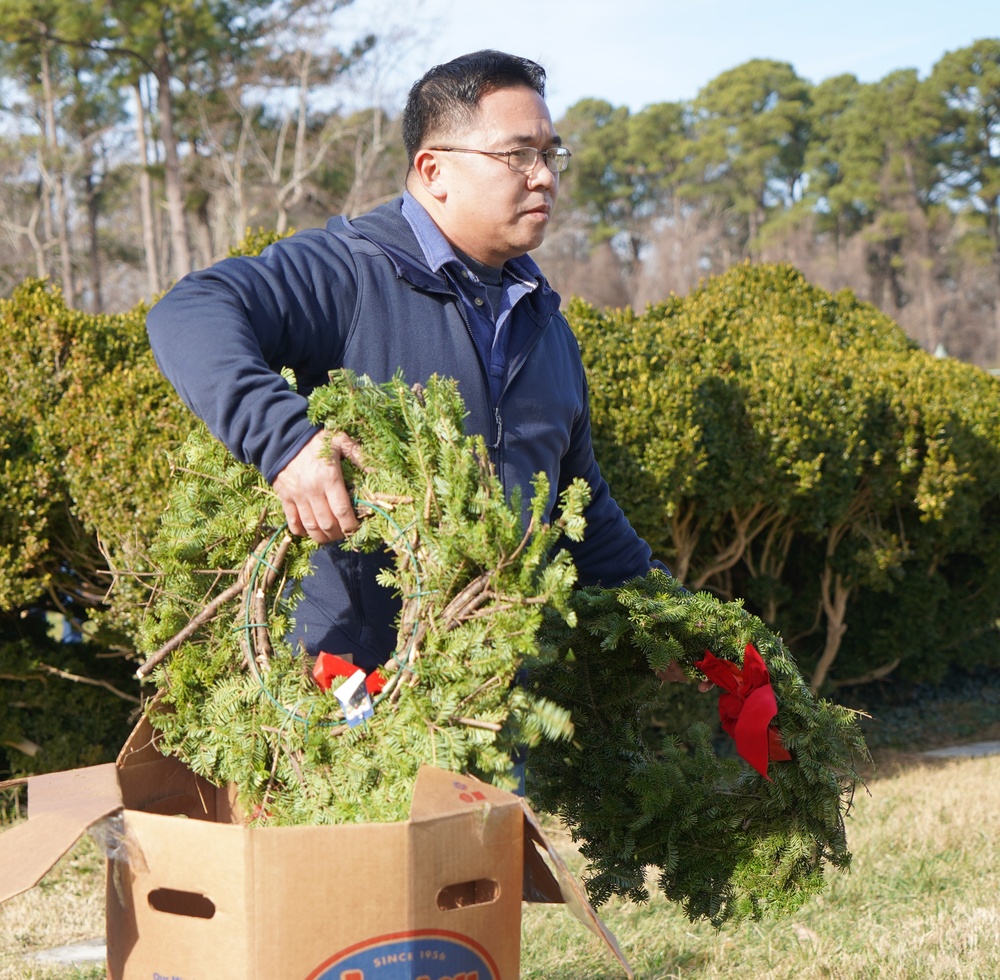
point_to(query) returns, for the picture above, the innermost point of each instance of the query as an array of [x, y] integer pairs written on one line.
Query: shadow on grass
[[907, 720]]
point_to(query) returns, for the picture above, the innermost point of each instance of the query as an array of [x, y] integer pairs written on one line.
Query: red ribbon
[[328, 666], [747, 707]]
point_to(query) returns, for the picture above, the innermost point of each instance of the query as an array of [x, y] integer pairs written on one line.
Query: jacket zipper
[[494, 447], [499, 423], [496, 450]]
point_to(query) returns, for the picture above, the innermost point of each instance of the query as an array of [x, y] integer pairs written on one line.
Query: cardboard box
[[192, 894]]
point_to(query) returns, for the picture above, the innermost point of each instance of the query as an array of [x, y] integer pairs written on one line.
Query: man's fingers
[[312, 491], [323, 525], [293, 519], [673, 672], [318, 523], [341, 443], [341, 515], [313, 525]]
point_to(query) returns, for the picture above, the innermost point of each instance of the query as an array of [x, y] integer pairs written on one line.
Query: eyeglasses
[[522, 159]]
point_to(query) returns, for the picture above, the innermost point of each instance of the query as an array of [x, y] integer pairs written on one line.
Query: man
[[436, 282]]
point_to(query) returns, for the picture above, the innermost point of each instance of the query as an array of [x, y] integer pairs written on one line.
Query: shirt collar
[[436, 248]]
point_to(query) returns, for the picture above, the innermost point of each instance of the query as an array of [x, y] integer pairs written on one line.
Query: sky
[[637, 52]]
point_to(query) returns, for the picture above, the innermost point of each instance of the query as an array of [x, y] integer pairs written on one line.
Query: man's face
[[489, 211]]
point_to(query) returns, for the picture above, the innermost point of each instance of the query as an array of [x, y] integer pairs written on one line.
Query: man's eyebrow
[[528, 140]]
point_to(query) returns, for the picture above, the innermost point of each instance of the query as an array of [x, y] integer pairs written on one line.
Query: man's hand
[[312, 491], [675, 673]]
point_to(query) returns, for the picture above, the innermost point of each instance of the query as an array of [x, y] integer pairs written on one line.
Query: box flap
[[156, 783], [540, 876], [439, 793], [61, 806], [140, 746]]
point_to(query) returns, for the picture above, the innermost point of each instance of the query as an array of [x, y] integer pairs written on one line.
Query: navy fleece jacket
[[359, 295]]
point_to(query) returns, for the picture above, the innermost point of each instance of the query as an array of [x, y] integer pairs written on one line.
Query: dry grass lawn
[[920, 902]]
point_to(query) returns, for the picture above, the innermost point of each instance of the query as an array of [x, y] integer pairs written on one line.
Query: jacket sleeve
[[222, 335], [611, 551]]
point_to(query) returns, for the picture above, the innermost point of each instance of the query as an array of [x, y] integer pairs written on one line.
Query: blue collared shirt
[[490, 329]]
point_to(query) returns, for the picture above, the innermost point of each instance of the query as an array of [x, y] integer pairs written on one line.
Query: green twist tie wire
[[260, 558]]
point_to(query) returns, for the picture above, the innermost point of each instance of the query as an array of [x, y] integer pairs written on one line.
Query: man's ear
[[427, 170]]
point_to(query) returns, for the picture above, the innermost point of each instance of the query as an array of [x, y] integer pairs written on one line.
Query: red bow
[[328, 666], [747, 707]]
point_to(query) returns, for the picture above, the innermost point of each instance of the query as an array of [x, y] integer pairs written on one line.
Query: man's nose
[[540, 175]]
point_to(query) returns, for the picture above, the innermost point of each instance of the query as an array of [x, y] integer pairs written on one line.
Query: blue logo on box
[[422, 955]]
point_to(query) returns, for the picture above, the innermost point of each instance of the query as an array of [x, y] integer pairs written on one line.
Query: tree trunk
[[93, 210], [770, 563], [203, 232], [745, 527], [30, 231], [146, 197], [55, 176], [180, 249], [925, 240], [994, 226], [996, 314], [290, 192], [281, 192], [834, 595], [237, 182], [229, 224], [365, 161], [685, 531]]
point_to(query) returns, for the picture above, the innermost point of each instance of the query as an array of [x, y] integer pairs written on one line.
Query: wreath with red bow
[[738, 824]]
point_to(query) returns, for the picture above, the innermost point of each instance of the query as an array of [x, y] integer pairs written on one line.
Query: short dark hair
[[449, 94]]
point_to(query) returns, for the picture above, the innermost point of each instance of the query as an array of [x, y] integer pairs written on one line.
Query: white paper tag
[[354, 699]]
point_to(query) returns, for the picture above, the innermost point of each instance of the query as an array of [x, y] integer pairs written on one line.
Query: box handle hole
[[176, 902], [482, 891]]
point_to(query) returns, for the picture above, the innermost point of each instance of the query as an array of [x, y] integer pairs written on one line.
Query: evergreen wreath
[[240, 706], [726, 841], [484, 599]]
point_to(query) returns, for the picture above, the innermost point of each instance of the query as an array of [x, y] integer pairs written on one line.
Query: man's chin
[[533, 241]]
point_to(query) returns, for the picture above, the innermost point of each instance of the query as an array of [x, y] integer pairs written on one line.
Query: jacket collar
[[387, 229]]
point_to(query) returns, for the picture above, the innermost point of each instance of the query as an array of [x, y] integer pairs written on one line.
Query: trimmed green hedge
[[772, 441], [775, 442]]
